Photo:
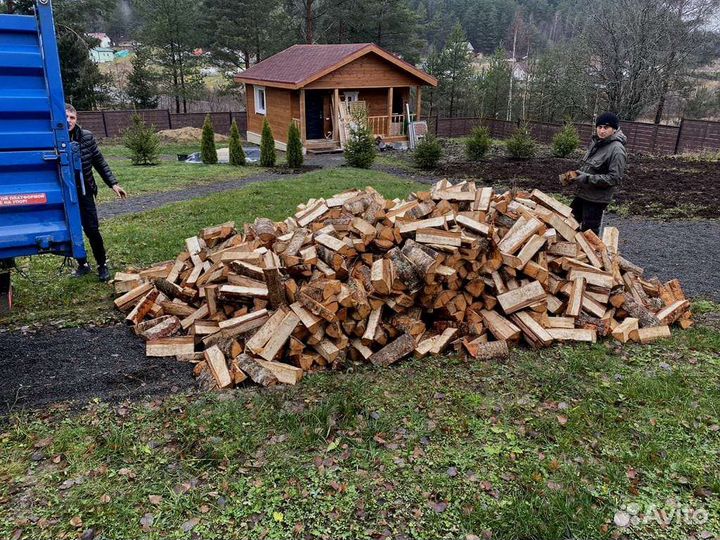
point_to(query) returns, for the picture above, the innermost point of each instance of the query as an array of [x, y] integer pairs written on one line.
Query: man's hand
[[120, 192], [581, 177], [568, 178]]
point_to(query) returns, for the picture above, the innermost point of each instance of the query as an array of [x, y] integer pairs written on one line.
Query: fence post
[[105, 129], [169, 117], [679, 135]]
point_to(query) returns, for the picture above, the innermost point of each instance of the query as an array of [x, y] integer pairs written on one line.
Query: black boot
[[82, 270], [104, 273]]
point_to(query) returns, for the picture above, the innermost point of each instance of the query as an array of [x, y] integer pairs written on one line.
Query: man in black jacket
[[87, 191], [601, 171]]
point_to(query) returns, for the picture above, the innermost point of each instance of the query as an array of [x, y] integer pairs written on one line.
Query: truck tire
[[5, 293]]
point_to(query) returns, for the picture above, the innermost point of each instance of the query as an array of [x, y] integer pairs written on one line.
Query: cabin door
[[314, 115]]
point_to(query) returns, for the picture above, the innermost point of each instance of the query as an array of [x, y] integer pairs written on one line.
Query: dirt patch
[[662, 186], [79, 364], [186, 135]]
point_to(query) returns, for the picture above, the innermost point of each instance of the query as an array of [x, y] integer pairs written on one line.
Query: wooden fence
[[689, 136], [106, 124]]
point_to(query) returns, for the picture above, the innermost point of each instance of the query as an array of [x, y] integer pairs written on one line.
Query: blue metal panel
[[38, 200]]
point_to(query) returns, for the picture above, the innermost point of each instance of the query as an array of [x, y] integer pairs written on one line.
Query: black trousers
[[91, 227], [589, 214]]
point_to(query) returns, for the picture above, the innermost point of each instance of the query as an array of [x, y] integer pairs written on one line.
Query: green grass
[[52, 296], [433, 448], [169, 175]]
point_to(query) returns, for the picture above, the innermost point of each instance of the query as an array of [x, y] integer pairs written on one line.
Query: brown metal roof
[[301, 64]]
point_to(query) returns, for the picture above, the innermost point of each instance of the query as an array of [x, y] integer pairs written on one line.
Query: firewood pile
[[358, 278]]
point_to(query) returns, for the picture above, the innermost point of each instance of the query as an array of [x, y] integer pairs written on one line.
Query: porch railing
[[389, 126]]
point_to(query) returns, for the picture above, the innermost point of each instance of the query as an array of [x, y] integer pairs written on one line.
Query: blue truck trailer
[[39, 210]]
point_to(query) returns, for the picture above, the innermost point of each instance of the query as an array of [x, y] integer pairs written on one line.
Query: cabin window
[[260, 100], [351, 96]]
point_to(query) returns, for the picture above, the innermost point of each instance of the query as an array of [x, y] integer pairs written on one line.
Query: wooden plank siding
[[369, 71], [278, 111]]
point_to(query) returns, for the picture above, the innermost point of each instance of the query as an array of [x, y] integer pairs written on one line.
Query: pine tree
[[237, 154], [267, 146], [208, 153], [143, 142], [294, 147], [141, 86]]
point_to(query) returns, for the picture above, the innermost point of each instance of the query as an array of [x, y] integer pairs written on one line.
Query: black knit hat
[[608, 119]]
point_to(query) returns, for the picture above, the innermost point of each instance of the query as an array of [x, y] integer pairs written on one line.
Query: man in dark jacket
[[601, 170], [87, 191]]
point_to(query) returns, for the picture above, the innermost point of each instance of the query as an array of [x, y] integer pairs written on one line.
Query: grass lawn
[[552, 444], [158, 235], [169, 175]]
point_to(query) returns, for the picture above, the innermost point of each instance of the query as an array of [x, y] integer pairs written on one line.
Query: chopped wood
[[285, 373], [624, 329], [492, 350], [171, 346], [522, 297], [394, 351], [218, 367], [649, 334], [253, 369], [363, 278]]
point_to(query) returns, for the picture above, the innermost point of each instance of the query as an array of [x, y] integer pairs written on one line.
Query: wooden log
[[412, 226], [551, 203], [218, 367], [275, 287], [394, 351], [671, 313], [624, 329], [531, 247], [165, 328], [522, 297], [473, 225], [438, 237], [641, 313], [575, 334], [492, 350], [280, 336], [588, 250], [533, 333], [142, 308], [285, 373], [171, 346], [519, 234], [382, 276], [649, 334], [441, 342], [128, 300], [256, 343], [258, 373], [237, 291], [229, 324], [499, 326], [483, 197], [266, 231]]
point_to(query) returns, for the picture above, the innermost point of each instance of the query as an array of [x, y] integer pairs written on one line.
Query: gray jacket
[[604, 165]]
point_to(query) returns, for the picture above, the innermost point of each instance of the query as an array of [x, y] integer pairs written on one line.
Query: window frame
[[257, 90]]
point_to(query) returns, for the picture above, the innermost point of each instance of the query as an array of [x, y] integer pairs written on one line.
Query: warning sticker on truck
[[23, 199]]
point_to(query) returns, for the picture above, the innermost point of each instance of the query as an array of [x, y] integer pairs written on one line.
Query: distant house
[[103, 38], [320, 86], [101, 55]]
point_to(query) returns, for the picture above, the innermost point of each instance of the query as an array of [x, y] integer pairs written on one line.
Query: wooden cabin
[[322, 87]]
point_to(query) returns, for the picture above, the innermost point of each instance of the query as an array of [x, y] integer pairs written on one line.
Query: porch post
[[418, 102], [336, 117], [389, 111], [303, 131]]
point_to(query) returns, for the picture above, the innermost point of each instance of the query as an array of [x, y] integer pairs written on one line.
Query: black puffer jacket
[[91, 157]]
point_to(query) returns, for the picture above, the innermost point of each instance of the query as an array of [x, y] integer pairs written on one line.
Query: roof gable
[[299, 65]]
